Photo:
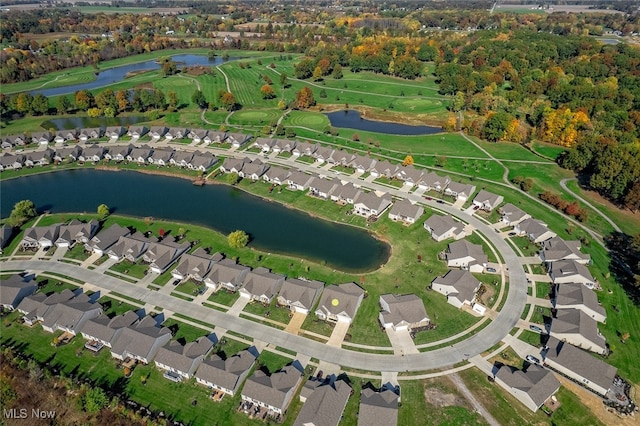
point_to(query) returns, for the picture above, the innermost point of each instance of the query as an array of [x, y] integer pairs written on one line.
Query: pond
[[272, 227], [69, 123], [351, 119], [117, 74]]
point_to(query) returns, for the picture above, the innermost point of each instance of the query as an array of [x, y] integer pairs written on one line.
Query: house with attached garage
[[92, 154], [555, 249], [276, 175], [161, 255], [71, 315], [283, 145], [324, 154], [140, 155], [176, 133], [324, 401], [106, 238], [71, 154], [532, 386], [537, 231], [15, 288], [578, 296], [459, 286], [433, 182], [464, 255], [40, 236], [234, 165], [129, 247], [196, 265], [384, 168], [180, 362], [570, 271], [182, 158], [345, 194], [378, 407], [197, 135], [584, 368], [261, 285], [402, 312], [299, 180], [460, 191], [16, 140], [141, 341], [105, 330], [299, 295], [579, 329], [323, 188], [253, 170], [76, 232], [226, 375], [115, 132], [363, 163], [90, 134], [215, 137], [63, 136], [203, 161], [368, 204], [403, 210], [157, 132], [136, 132], [42, 138], [342, 158], [510, 215], [339, 303], [442, 227], [304, 148], [409, 175], [487, 201], [6, 233], [5, 143], [273, 392], [238, 139], [226, 274], [35, 306], [119, 153], [161, 157], [39, 158], [12, 161], [264, 144]]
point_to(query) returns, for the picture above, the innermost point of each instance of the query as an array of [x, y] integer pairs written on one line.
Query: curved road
[[563, 184]]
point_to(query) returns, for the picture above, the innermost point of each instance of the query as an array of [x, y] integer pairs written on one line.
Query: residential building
[[119, 153], [238, 139], [40, 236], [176, 133], [163, 254], [339, 303], [202, 161], [233, 165], [532, 386], [378, 408], [323, 188], [136, 132], [182, 158], [533, 229], [253, 170], [15, 288], [442, 227], [384, 168], [76, 232], [368, 204], [570, 271], [459, 286], [130, 247], [261, 285], [140, 155], [406, 212], [226, 273], [464, 255], [35, 306], [157, 132], [402, 312], [106, 238], [346, 194], [141, 341], [460, 191], [228, 374], [324, 401], [409, 175], [180, 362], [363, 163], [276, 175], [105, 330], [92, 153], [299, 295], [578, 296], [486, 200], [273, 392], [304, 148], [433, 182], [511, 215], [71, 315], [6, 232], [115, 132], [579, 329], [555, 249], [196, 265], [264, 144], [72, 153], [161, 156], [299, 180]]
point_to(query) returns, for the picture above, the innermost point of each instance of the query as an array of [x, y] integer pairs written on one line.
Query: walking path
[[479, 408], [563, 184]]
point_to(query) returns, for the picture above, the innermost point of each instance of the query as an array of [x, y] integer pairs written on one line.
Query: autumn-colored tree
[[84, 100], [122, 98], [94, 112], [408, 160], [561, 126], [228, 101], [317, 73], [355, 137], [282, 104], [267, 92], [173, 101], [23, 102], [632, 199], [304, 98]]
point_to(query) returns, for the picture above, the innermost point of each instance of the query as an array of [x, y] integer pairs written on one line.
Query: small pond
[[351, 119], [272, 227], [117, 74]]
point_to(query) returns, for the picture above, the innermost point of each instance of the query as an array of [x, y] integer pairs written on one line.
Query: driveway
[[401, 341], [338, 334], [295, 324]]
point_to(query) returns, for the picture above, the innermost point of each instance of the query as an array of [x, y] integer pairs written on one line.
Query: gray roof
[[76, 230], [272, 389], [341, 298], [37, 305], [580, 362], [363, 162], [228, 271], [285, 144], [323, 152], [463, 282], [440, 225], [197, 263], [105, 328], [301, 178], [255, 167], [434, 180], [182, 156], [108, 237], [564, 268], [558, 249], [131, 245], [512, 212], [326, 403], [486, 197], [303, 292], [276, 172], [234, 163], [227, 372], [461, 188], [163, 154], [326, 186], [5, 235], [165, 252], [409, 173], [37, 233], [261, 281], [575, 321], [578, 294], [404, 208], [204, 160], [15, 288], [182, 358], [408, 308], [347, 191], [463, 248], [534, 227], [378, 408], [538, 383], [138, 339], [372, 201], [69, 313], [122, 150], [385, 167], [305, 148]]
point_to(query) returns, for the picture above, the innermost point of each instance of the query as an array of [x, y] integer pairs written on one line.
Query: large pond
[[69, 123], [273, 227], [117, 74], [351, 119]]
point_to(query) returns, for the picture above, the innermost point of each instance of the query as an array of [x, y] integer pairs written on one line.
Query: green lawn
[[271, 311], [182, 330], [113, 307], [136, 270], [272, 362], [224, 297]]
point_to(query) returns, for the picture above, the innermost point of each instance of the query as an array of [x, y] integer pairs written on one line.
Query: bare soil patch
[[439, 394]]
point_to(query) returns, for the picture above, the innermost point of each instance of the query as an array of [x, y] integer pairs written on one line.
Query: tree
[[199, 99], [84, 100], [23, 102], [173, 101], [106, 99], [94, 112], [238, 239], [63, 105], [632, 199], [233, 178], [337, 72], [103, 211], [169, 67], [284, 80], [228, 101], [22, 212], [441, 161], [282, 104], [40, 104], [122, 99], [408, 160], [317, 73], [267, 92], [94, 400], [304, 98]]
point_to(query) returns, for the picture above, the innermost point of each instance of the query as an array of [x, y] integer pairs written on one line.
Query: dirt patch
[[439, 396]]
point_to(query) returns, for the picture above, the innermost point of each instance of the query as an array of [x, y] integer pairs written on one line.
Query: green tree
[[84, 100], [173, 101], [40, 104], [238, 239], [103, 211], [23, 102], [284, 80], [94, 400], [337, 72], [199, 99], [169, 67], [63, 105], [232, 178], [22, 212]]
